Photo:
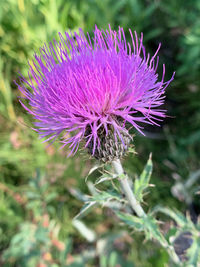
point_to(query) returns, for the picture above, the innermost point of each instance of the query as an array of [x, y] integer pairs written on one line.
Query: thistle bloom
[[88, 89]]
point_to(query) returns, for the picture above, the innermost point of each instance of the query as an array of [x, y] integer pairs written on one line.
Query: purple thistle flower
[[89, 89]]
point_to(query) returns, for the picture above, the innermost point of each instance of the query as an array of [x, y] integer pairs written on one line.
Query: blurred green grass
[[24, 26]]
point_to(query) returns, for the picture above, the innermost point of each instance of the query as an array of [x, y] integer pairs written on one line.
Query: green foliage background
[[37, 181]]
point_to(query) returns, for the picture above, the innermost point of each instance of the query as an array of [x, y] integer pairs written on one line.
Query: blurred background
[[39, 185]]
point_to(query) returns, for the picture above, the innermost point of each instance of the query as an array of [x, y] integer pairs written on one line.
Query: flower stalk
[[124, 181], [127, 189]]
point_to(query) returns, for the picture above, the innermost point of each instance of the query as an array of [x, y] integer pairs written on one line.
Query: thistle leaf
[[177, 216], [105, 177], [133, 221], [152, 230], [142, 182], [85, 209], [147, 224], [93, 169], [104, 196]]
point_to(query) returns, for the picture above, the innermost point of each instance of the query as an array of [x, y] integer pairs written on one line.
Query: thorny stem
[[124, 181]]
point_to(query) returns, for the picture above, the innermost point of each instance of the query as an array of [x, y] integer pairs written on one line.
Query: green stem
[[124, 181], [127, 189]]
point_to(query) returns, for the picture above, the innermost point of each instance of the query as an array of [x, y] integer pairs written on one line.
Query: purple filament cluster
[[83, 82]]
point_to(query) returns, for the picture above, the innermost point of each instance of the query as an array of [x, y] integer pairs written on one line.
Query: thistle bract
[[88, 89]]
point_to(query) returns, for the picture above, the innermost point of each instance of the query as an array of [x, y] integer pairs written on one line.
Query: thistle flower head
[[89, 88]]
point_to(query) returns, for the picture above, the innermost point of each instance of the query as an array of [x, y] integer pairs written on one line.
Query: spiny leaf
[[105, 177], [142, 182], [133, 221], [177, 216], [85, 209], [147, 224], [97, 197], [152, 230], [105, 196], [94, 168]]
